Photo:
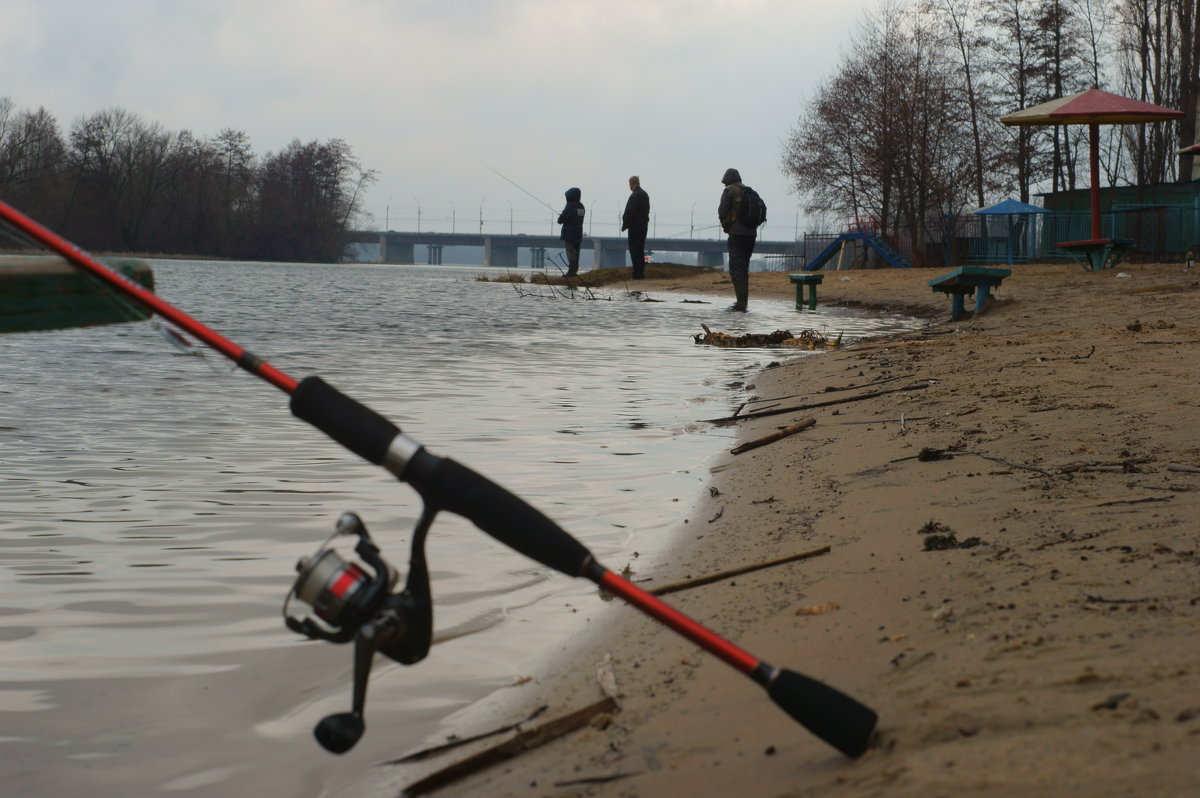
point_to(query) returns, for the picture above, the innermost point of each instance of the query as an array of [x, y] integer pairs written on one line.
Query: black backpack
[[751, 211]]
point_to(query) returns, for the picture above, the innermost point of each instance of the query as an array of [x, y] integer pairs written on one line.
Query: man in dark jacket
[[571, 220], [741, 238], [636, 220]]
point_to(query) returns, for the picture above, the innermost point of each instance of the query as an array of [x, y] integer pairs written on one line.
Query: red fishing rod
[[353, 604]]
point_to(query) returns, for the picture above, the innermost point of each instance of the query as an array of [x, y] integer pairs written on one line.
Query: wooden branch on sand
[[675, 587], [778, 434], [525, 741], [871, 395], [425, 753]]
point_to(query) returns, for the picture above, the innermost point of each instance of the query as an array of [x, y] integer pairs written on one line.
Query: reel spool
[[351, 604]]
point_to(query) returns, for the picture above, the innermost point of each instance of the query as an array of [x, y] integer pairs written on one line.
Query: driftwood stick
[[1011, 464], [883, 346], [831, 389], [1137, 501], [1128, 464], [1103, 600], [1186, 469], [525, 741], [675, 587], [778, 434], [425, 753], [760, 413], [884, 421], [929, 455]]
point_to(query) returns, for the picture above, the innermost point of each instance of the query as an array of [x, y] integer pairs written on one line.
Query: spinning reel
[[352, 604]]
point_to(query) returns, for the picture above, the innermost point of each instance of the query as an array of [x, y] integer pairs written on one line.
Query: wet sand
[[1053, 649]]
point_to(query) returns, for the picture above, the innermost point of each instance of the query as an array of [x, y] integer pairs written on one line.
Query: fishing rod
[[352, 604]]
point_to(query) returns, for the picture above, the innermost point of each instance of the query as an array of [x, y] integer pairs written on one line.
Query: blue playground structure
[[872, 240]]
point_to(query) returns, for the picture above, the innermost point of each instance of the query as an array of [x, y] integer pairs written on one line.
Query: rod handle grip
[[833, 716], [448, 485], [349, 422]]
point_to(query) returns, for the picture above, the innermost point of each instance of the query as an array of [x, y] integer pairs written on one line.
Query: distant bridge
[[501, 250]]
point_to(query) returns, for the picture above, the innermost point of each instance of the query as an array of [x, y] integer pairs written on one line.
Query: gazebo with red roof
[[1092, 108]]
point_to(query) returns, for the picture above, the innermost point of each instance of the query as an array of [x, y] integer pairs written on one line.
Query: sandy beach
[[1012, 578]]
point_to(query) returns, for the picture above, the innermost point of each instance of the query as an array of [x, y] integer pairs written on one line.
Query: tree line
[[117, 183], [906, 130]]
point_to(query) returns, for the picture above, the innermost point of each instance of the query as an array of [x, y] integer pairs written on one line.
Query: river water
[[153, 505]]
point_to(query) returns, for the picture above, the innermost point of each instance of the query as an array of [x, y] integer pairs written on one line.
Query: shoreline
[[1055, 653]]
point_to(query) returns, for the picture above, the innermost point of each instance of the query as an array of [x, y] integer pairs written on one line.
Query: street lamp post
[[418, 213], [481, 215], [387, 215], [510, 218], [692, 234], [451, 217]]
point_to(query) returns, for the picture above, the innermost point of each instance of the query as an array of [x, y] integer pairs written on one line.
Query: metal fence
[[1155, 233]]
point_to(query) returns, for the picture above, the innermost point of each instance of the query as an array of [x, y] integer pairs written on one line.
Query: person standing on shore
[[571, 220], [636, 220], [741, 237]]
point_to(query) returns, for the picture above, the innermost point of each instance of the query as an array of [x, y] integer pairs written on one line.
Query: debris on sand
[[807, 339]]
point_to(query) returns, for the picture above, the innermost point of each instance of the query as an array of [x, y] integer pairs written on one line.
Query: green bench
[[812, 281], [967, 280]]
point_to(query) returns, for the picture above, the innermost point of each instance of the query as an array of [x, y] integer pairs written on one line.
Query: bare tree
[[1013, 63], [32, 159], [960, 21], [888, 139], [1189, 84], [1060, 50], [1149, 48]]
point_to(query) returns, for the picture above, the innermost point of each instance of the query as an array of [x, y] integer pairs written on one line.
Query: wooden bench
[[1095, 254], [968, 279], [812, 281]]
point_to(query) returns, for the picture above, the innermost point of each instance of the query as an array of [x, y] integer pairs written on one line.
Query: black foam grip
[[355, 426], [506, 517], [835, 717]]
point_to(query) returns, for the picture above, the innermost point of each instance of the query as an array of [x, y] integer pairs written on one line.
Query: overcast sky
[[550, 93]]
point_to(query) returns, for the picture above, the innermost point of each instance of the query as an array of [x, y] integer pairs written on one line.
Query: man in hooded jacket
[[571, 220], [741, 238]]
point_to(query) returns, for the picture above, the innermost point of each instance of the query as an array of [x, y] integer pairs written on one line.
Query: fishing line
[[481, 163]]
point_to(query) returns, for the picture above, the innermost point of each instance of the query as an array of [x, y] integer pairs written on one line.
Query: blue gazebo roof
[[1010, 206]]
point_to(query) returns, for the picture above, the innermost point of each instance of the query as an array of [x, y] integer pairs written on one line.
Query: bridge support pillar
[[497, 255], [394, 253], [610, 257], [705, 258], [537, 257], [435, 254]]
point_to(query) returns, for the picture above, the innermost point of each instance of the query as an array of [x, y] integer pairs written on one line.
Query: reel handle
[[340, 732]]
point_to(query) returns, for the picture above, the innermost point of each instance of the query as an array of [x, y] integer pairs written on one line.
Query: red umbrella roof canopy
[[1091, 107]]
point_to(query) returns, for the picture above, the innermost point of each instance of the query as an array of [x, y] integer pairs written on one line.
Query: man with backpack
[[741, 213]]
